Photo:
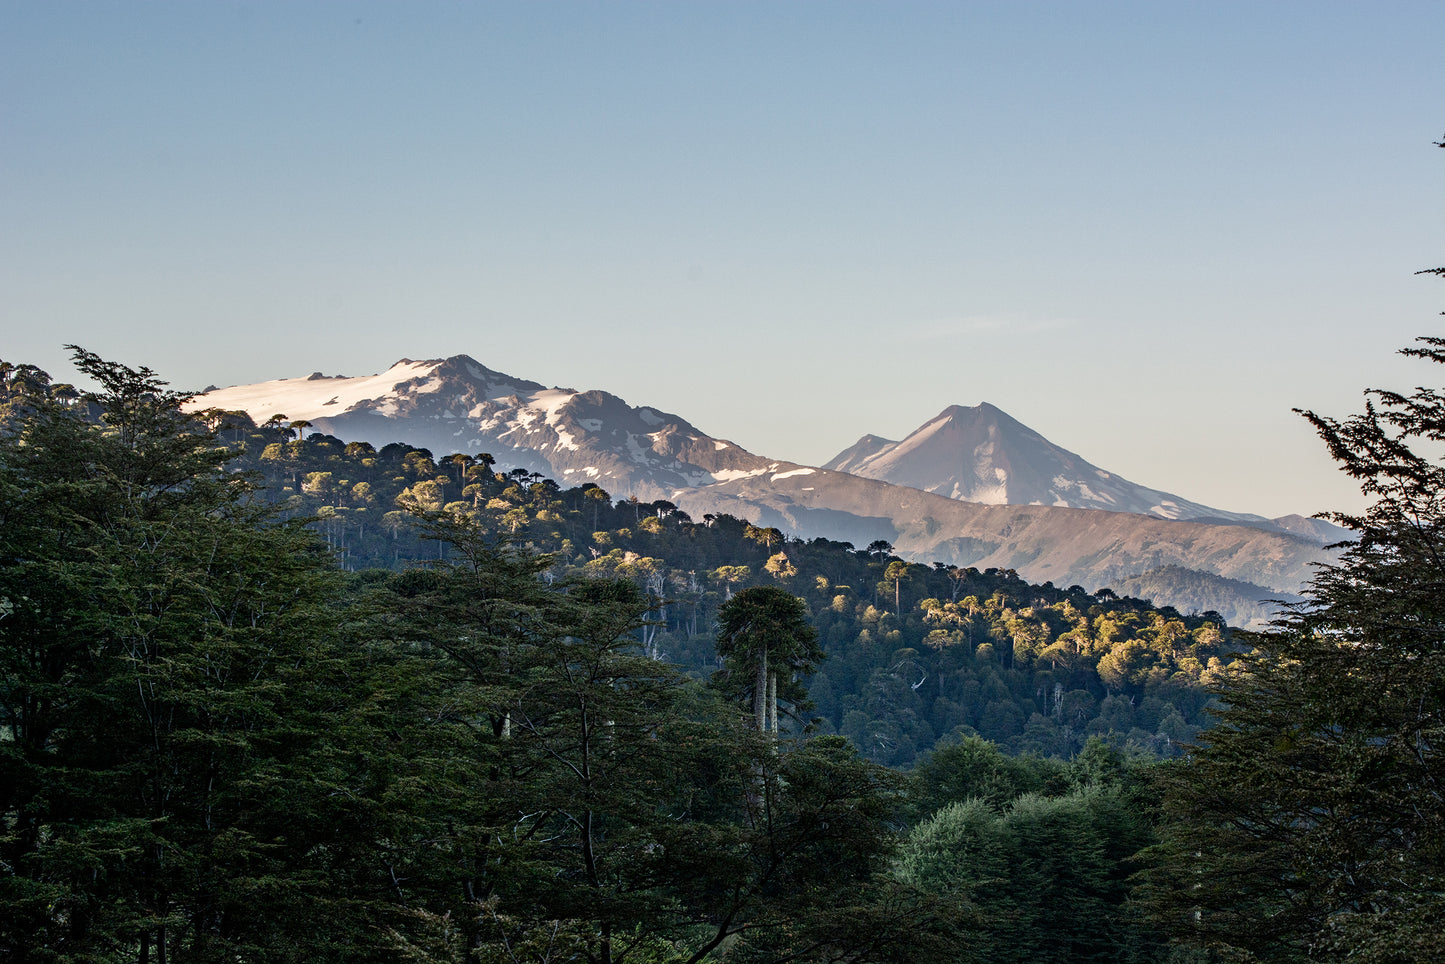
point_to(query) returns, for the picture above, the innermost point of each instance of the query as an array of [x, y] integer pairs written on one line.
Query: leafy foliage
[[1040, 851], [215, 749], [917, 654], [163, 682], [1309, 824]]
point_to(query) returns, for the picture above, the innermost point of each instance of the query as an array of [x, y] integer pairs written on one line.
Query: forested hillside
[[369, 706], [916, 653], [1225, 596], [218, 745]]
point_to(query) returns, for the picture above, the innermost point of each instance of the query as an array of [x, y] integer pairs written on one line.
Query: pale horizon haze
[[1145, 230]]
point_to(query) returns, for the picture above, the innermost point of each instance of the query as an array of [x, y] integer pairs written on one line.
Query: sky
[[1146, 230]]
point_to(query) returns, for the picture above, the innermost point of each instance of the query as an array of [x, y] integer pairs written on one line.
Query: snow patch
[[990, 495], [552, 401], [732, 475], [650, 417], [789, 475], [1087, 493], [300, 398], [719, 444]]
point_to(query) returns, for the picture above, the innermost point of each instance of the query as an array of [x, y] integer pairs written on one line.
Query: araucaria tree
[[768, 643], [1310, 825]]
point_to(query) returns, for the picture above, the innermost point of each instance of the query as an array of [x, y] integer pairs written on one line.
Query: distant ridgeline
[[916, 653]]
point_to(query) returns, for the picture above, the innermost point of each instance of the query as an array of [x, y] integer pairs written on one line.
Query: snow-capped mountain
[[981, 454], [458, 405]]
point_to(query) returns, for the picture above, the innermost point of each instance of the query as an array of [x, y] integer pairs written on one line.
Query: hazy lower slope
[[1043, 543], [1239, 603]]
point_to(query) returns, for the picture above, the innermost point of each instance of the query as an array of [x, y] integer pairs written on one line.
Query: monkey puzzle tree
[[765, 636]]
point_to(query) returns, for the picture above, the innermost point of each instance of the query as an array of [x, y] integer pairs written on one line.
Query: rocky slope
[[458, 405]]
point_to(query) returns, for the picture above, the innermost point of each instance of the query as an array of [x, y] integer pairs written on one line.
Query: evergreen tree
[[1309, 822], [765, 635], [607, 807], [163, 666], [1040, 852]]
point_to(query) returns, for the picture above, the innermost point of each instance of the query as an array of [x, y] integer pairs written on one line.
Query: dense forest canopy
[[265, 695], [218, 745], [916, 654]]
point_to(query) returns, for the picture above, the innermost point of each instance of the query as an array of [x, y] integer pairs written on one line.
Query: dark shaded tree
[[1309, 823], [167, 671]]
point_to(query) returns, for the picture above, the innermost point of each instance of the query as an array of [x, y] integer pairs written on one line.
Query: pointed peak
[[467, 368], [461, 360], [983, 410]]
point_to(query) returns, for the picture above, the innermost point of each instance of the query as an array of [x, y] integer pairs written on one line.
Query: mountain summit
[[458, 405], [982, 454]]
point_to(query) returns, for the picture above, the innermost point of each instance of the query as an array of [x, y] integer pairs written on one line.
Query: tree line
[[917, 654], [217, 745]]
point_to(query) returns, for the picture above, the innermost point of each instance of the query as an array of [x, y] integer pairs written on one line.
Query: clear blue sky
[[1147, 230]]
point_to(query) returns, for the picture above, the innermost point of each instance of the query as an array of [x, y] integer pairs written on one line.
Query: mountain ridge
[[456, 404]]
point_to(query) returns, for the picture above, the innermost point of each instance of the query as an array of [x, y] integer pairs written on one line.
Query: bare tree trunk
[[772, 702], [760, 692]]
